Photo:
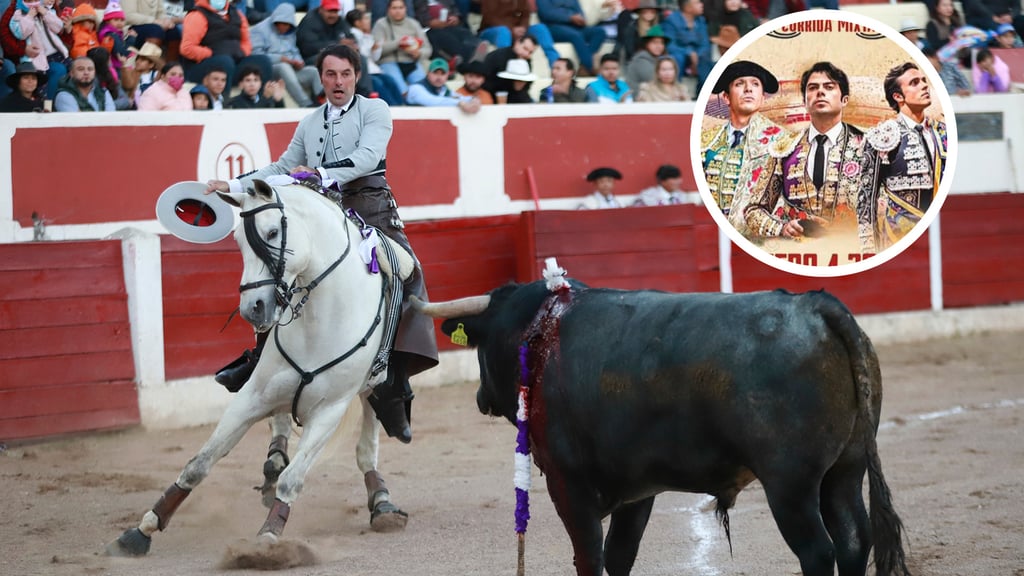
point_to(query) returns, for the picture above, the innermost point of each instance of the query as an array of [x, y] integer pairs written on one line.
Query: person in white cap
[[342, 147], [911, 30]]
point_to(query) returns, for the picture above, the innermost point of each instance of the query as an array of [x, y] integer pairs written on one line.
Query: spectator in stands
[[84, 22], [643, 66], [689, 43], [217, 33], [517, 71], [497, 61], [474, 75], [201, 99], [668, 190], [141, 70], [944, 18], [216, 82], [385, 86], [603, 195], [107, 77], [633, 25], [79, 91], [666, 86], [954, 80], [275, 38], [433, 91], [39, 27], [168, 92], [449, 35], [152, 23], [255, 93], [563, 88], [911, 30], [567, 23], [321, 28], [26, 90], [609, 88], [989, 14], [990, 74], [730, 24], [113, 36], [502, 21], [1006, 37], [404, 48], [269, 6]]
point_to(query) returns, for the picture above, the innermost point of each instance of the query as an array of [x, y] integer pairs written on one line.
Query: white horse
[[304, 279]]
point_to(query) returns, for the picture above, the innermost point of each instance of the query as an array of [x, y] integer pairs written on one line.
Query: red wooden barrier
[[898, 285], [662, 248], [983, 249], [200, 290], [66, 363]]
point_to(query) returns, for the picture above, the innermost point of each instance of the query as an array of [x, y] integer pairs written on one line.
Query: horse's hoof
[[131, 543], [267, 538], [386, 517]]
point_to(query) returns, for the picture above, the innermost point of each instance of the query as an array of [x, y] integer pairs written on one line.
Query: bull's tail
[[886, 526]]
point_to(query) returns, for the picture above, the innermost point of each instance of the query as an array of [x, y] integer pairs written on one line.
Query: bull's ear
[[263, 190], [466, 331]]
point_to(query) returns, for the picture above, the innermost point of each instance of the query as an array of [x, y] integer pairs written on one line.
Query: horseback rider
[[342, 146]]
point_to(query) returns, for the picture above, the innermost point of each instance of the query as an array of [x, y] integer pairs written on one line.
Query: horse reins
[[283, 293]]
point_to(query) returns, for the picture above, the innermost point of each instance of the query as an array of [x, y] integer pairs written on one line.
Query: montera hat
[[517, 69], [603, 173], [188, 213], [473, 67], [23, 69], [741, 68]]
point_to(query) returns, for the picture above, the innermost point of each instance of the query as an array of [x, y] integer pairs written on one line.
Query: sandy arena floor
[[951, 443]]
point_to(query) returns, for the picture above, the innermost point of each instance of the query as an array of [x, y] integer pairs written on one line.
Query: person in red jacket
[[215, 33]]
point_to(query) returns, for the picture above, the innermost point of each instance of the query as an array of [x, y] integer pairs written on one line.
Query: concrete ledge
[[903, 327]]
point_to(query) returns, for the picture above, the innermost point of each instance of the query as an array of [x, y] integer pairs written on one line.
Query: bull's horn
[[453, 308]]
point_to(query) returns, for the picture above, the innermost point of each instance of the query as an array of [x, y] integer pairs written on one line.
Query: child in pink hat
[[112, 35]]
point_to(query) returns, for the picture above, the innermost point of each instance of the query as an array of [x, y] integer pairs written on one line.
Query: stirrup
[[235, 375]]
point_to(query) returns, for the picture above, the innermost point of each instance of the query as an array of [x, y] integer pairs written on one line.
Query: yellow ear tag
[[459, 336]]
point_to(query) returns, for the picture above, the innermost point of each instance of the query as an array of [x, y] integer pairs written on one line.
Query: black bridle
[[275, 262]]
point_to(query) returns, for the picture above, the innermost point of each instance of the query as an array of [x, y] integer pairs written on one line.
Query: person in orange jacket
[[84, 22], [215, 33]]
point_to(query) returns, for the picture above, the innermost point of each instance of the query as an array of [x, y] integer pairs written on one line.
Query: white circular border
[[700, 105]]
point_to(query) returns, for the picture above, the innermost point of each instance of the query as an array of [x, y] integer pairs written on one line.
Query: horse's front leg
[[318, 429], [277, 456], [384, 515], [241, 414]]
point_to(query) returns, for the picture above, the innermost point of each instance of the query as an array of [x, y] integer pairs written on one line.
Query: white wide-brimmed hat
[[517, 69], [188, 213]]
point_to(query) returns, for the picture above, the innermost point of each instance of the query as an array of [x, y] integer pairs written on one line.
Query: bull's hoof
[[131, 543], [386, 517]]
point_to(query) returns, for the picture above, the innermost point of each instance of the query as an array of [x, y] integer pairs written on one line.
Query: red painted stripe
[[58, 370], [49, 426]]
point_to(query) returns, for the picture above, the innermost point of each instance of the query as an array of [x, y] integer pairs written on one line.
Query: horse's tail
[[886, 526]]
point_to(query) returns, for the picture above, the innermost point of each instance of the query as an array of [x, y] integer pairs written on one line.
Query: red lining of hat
[[195, 213]]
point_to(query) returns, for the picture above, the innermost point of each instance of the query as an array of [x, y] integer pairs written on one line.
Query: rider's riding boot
[[392, 401], [235, 375]]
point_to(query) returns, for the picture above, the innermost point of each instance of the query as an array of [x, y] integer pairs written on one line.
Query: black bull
[[644, 392]]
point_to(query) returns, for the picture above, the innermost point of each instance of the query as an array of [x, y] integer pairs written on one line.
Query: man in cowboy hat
[[603, 195], [903, 162], [24, 84], [517, 72], [497, 61], [816, 175], [343, 145], [731, 152]]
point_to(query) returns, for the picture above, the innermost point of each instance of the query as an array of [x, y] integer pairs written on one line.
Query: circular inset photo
[[826, 143]]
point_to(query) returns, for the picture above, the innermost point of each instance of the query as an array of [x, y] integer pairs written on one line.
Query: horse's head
[[268, 255]]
